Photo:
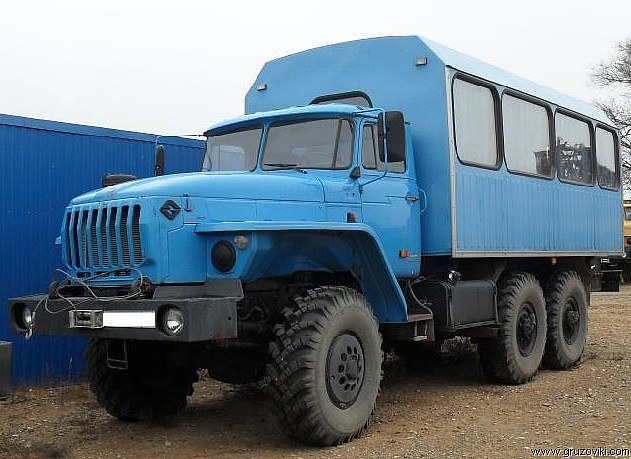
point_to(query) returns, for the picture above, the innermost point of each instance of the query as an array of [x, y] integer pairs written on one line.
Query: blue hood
[[276, 186]]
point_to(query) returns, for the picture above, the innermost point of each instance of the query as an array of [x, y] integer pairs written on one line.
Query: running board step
[[419, 327]]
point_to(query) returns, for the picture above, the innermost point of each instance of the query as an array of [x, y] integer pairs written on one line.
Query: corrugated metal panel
[[502, 212], [42, 165]]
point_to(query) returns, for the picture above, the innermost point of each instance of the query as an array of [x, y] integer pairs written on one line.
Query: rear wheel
[[149, 389], [325, 367], [515, 356], [566, 304]]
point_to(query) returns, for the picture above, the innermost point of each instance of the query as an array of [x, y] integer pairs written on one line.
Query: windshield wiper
[[279, 166]]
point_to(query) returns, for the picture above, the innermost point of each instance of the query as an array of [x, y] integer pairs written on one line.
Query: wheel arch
[[283, 249]]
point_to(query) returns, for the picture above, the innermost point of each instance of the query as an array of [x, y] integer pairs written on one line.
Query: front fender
[[283, 248]]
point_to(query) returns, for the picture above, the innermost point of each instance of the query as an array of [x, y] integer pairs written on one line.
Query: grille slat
[[135, 234], [94, 243], [104, 246], [124, 234], [113, 224], [103, 238], [67, 226], [75, 238]]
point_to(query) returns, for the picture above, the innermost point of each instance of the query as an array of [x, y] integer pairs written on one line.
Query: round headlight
[[24, 317], [173, 321], [223, 256]]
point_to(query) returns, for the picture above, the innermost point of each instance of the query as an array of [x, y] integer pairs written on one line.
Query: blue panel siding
[[43, 165], [503, 212]]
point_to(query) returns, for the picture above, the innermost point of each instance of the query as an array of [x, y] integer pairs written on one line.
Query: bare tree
[[615, 74]]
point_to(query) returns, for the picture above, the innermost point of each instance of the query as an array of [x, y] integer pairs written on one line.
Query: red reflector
[[403, 253]]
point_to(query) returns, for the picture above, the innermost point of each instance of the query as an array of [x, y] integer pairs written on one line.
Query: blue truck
[[382, 194]]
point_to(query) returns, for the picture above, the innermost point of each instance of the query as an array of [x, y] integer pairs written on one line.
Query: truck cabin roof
[[333, 110]]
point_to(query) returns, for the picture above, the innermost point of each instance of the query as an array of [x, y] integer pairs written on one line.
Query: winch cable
[[72, 305]]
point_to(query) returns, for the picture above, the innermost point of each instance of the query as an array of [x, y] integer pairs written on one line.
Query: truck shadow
[[241, 418]]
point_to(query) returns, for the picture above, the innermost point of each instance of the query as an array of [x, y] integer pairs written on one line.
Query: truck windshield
[[233, 151], [309, 144]]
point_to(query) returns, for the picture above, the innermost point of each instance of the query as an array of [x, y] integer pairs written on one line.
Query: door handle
[[411, 198]]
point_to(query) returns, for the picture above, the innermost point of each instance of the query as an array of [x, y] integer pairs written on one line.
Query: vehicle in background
[[610, 271]]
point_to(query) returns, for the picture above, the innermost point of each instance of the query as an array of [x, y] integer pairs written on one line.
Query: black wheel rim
[[526, 329], [571, 321], [345, 370]]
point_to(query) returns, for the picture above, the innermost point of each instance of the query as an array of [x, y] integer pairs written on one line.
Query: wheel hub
[[526, 329], [571, 321], [345, 370]]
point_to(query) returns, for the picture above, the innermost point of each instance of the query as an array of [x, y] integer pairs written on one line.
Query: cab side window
[[370, 151], [369, 146]]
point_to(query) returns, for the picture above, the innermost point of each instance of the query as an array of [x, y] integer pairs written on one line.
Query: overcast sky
[[177, 67]]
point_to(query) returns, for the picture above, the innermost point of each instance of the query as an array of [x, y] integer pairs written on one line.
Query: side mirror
[[158, 168], [392, 130]]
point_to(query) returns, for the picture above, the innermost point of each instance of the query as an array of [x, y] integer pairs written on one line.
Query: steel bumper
[[204, 318]]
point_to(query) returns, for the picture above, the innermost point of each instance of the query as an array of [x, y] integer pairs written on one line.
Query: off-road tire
[[514, 357], [304, 357], [566, 304], [148, 390]]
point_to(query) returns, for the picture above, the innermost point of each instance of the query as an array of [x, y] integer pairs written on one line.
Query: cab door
[[391, 204]]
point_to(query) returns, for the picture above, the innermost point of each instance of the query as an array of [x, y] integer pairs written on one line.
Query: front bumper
[[204, 318]]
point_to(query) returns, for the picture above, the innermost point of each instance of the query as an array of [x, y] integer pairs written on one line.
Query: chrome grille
[[103, 238]]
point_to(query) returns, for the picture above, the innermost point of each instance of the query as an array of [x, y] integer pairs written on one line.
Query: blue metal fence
[[43, 164]]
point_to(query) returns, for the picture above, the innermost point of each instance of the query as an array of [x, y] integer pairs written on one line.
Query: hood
[[276, 186]]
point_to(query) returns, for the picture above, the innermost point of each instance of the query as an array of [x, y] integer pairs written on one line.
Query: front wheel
[[325, 367], [149, 389]]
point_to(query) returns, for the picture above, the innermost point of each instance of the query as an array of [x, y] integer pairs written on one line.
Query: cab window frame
[[231, 130], [285, 122], [372, 124]]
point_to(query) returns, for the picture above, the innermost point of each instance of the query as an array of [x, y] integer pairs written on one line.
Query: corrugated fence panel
[[42, 166]]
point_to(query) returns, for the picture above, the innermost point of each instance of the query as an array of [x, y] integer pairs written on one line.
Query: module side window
[[574, 150], [475, 124], [608, 171], [526, 137]]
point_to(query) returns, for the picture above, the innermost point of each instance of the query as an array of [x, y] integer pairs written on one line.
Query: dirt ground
[[449, 412]]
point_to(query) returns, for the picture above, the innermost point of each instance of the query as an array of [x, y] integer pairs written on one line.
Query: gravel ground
[[449, 412]]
